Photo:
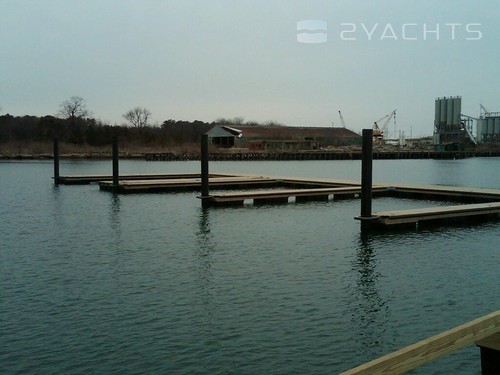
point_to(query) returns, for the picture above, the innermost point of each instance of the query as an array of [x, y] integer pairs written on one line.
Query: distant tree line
[[74, 124], [88, 131], [241, 121], [92, 132]]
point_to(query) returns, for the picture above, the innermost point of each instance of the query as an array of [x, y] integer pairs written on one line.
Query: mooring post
[[204, 171], [115, 164], [366, 177], [56, 161]]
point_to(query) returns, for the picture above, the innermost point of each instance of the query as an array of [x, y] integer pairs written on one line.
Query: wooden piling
[[115, 164], [204, 171], [366, 178], [56, 161]]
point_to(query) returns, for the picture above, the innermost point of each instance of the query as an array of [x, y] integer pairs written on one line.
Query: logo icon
[[312, 31]]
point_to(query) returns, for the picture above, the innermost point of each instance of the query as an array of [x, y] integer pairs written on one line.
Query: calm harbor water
[[97, 283]]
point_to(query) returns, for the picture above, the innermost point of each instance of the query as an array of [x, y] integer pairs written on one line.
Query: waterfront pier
[[476, 203]]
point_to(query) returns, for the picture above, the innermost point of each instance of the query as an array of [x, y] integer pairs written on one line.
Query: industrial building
[[448, 127], [453, 128], [488, 127], [285, 138]]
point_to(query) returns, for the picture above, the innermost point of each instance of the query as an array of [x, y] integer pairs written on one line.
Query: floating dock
[[88, 179], [418, 215], [486, 202], [265, 189], [439, 192], [221, 182], [490, 207], [179, 184], [283, 195]]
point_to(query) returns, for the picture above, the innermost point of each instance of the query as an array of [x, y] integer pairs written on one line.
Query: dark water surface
[[97, 283]]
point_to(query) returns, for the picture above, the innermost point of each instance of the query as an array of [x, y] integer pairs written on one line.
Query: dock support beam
[[489, 361], [366, 178], [490, 354], [204, 171], [115, 164], [56, 161]]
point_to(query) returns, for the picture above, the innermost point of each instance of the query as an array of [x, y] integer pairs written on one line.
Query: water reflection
[[58, 212], [114, 215], [204, 254], [206, 246], [370, 311]]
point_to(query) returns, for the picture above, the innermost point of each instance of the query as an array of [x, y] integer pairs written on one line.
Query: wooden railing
[[485, 332]]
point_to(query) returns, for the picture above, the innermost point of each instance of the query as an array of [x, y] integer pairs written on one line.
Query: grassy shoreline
[[44, 150]]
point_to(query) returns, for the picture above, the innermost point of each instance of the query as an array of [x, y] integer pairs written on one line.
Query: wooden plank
[[437, 190], [433, 213], [447, 191], [285, 193], [186, 181], [312, 180], [86, 179], [192, 183], [432, 348], [196, 180]]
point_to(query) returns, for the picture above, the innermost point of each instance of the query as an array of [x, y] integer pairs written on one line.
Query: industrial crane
[[485, 111], [380, 131], [342, 119]]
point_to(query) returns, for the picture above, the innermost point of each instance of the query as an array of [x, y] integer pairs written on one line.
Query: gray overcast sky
[[207, 59]]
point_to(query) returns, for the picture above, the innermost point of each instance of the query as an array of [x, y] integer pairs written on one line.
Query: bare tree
[[73, 108], [138, 116], [230, 121]]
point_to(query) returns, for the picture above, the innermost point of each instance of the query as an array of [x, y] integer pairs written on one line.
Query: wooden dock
[[462, 194], [284, 189], [88, 179], [173, 184], [417, 215], [283, 195], [301, 189], [220, 181], [489, 206]]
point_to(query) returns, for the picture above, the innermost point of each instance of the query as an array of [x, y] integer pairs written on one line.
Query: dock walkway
[[88, 179], [282, 195], [413, 216], [173, 184], [280, 189]]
